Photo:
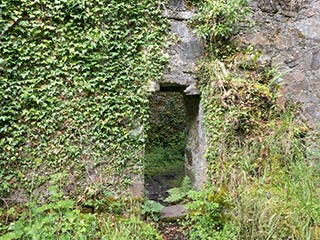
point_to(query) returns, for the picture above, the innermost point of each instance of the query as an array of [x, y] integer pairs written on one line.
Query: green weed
[[62, 219], [178, 194]]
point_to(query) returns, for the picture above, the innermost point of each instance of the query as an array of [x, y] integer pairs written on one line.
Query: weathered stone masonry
[[179, 75], [288, 34]]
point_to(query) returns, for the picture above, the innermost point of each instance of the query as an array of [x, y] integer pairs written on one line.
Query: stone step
[[173, 213]]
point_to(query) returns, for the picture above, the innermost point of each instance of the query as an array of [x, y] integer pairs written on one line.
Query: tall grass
[[275, 191], [128, 229], [259, 155]]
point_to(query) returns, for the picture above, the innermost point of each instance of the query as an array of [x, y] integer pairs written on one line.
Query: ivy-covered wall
[[72, 95]]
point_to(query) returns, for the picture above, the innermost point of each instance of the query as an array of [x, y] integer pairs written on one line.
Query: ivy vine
[[71, 91]]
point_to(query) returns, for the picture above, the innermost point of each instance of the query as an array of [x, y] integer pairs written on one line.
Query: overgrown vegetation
[[62, 219], [167, 121], [264, 183], [217, 22], [73, 96], [177, 194], [208, 209], [152, 209], [72, 91]]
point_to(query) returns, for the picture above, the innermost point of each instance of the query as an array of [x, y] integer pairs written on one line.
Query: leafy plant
[[152, 209], [208, 215], [62, 219], [217, 21], [179, 193], [57, 219]]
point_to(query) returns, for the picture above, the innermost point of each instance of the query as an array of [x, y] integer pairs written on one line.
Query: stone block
[[309, 28], [315, 64], [173, 213]]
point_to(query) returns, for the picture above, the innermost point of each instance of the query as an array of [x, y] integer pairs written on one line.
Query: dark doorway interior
[[165, 146]]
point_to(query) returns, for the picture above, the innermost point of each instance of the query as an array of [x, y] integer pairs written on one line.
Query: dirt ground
[[156, 187]]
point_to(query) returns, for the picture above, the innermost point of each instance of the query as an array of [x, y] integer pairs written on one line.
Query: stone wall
[[288, 34], [179, 74], [195, 162], [185, 50]]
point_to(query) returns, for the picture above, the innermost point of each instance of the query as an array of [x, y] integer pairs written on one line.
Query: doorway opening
[[165, 144]]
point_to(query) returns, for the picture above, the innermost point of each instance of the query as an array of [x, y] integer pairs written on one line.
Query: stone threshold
[[173, 213]]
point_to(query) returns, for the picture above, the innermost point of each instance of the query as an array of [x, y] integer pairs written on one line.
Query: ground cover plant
[[63, 219]]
